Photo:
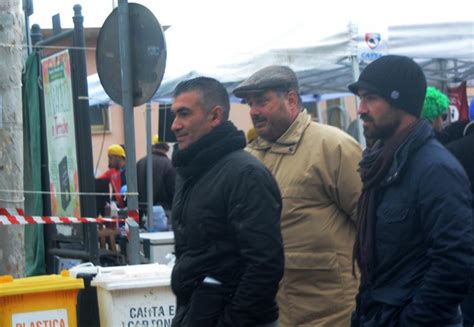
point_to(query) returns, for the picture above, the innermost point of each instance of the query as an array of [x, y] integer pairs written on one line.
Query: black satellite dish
[[148, 55]]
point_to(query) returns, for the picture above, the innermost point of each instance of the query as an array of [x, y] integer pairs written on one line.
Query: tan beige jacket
[[315, 166]]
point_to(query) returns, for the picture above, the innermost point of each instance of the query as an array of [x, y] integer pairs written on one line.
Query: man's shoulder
[[243, 169], [325, 130], [242, 159], [330, 138], [462, 144], [241, 164], [109, 172], [162, 158], [141, 160], [433, 155]]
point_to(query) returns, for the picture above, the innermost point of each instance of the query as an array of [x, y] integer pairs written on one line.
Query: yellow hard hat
[[116, 150], [155, 139]]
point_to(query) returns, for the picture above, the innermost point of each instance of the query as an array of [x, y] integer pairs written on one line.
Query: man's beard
[[383, 130]]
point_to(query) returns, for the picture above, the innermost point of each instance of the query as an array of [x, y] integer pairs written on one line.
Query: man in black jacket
[[226, 217], [463, 150], [164, 177], [414, 241]]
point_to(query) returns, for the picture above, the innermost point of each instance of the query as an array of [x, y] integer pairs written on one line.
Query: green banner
[[34, 235]]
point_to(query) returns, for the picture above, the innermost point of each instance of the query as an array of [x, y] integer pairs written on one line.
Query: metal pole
[[127, 102], [133, 248], [318, 110], [355, 75], [28, 10], [149, 168], [83, 134], [444, 77], [28, 35], [129, 122]]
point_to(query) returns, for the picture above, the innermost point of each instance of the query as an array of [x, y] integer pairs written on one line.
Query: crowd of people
[[297, 225]]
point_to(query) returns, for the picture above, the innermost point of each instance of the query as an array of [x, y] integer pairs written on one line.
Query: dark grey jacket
[[423, 240]]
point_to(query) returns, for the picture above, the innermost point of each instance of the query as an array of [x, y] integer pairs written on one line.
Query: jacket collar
[[288, 142], [418, 138], [205, 152], [159, 153]]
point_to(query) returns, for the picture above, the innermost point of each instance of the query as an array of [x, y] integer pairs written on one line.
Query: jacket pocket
[[312, 287], [393, 214], [206, 305], [396, 223]]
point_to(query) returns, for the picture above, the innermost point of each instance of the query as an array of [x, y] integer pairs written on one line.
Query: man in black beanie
[[414, 236]]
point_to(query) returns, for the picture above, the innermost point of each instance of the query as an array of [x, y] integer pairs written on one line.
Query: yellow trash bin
[[39, 301]]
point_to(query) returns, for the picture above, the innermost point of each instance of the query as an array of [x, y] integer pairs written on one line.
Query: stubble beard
[[384, 130]]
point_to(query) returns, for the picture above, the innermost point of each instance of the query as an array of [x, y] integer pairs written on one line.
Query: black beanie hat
[[398, 80]]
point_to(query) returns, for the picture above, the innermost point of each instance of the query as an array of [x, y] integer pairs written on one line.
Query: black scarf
[[201, 155], [374, 167]]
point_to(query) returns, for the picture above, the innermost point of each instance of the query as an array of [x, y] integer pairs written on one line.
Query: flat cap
[[268, 78]]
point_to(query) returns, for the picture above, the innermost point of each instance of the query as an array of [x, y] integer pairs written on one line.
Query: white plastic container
[[135, 296], [161, 244], [84, 268]]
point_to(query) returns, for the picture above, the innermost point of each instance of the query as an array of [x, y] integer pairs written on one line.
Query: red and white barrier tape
[[18, 217]]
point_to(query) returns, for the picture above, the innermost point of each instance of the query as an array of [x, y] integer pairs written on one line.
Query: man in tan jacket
[[315, 166]]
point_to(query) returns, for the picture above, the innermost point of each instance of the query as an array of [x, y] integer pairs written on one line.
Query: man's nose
[[254, 111], [362, 108], [176, 125]]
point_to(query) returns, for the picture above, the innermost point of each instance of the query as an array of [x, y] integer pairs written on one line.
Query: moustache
[[258, 119], [366, 117]]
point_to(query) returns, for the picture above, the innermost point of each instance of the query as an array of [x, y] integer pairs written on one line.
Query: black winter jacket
[[423, 239], [164, 179], [226, 220], [463, 149]]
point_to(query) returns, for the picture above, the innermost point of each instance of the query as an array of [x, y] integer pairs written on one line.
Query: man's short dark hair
[[213, 93], [162, 146]]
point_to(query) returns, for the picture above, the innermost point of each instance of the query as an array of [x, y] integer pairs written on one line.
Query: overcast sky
[[257, 12], [210, 30]]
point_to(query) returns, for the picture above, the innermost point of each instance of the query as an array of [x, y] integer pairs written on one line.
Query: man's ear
[[217, 116], [292, 101], [292, 97]]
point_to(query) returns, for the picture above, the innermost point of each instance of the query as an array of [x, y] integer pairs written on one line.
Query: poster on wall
[[60, 134]]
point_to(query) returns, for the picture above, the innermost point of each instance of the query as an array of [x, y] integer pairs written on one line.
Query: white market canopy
[[323, 65]]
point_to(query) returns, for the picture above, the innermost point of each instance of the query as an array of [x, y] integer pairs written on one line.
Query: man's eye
[[258, 102], [182, 114]]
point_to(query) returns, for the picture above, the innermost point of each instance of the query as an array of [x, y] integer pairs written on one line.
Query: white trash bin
[[160, 245], [135, 296]]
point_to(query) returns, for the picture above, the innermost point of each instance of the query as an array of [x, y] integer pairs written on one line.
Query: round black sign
[[148, 55]]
